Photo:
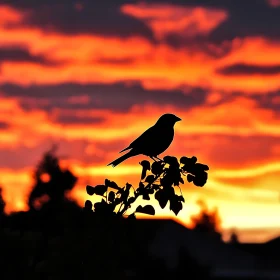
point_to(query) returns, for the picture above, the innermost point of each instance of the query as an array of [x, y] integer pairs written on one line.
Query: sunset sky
[[93, 75]]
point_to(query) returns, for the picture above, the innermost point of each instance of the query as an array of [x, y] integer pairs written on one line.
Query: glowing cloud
[[165, 19]]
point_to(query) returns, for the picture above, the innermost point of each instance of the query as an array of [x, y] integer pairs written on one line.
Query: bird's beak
[[178, 119]]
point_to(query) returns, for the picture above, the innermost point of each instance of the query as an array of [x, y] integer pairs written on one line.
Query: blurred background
[[91, 76]]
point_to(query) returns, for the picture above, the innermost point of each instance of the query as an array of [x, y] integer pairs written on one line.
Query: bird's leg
[[159, 159], [152, 158]]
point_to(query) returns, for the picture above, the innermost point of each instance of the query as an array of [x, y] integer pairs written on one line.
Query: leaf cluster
[[160, 179]]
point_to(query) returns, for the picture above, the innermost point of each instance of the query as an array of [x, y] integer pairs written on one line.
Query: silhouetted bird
[[153, 141]]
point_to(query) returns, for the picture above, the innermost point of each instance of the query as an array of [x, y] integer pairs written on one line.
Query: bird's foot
[[159, 159], [152, 158]]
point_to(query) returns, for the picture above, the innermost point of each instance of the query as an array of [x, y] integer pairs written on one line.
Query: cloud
[[89, 18], [69, 117], [75, 96], [245, 20], [98, 59], [109, 19], [154, 66], [246, 119], [4, 125], [166, 19], [243, 69], [12, 54], [249, 134], [9, 15], [274, 3]]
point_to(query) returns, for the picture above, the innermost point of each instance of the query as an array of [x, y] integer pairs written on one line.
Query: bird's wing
[[142, 139]]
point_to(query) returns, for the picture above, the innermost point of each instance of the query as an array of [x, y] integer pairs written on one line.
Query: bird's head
[[168, 119]]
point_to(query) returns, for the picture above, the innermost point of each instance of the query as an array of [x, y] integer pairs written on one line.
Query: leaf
[[150, 191], [117, 201], [180, 198], [111, 196], [155, 187], [100, 206], [190, 178], [175, 206], [145, 166], [121, 190], [88, 205], [111, 184], [181, 180], [125, 193], [148, 209], [204, 167], [184, 160], [193, 160], [90, 190], [200, 179], [131, 200], [162, 197], [141, 186], [143, 174], [150, 179], [176, 177], [157, 167], [170, 192], [171, 161], [100, 189], [146, 196]]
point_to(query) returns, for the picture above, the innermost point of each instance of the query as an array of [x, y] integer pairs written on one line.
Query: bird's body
[[154, 141]]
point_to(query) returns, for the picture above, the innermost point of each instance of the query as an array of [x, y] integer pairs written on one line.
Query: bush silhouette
[[207, 220], [233, 239], [79, 242], [51, 182], [2, 203], [161, 180]]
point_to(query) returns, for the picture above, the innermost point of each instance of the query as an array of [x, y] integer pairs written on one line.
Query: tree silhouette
[[2, 207], [165, 175], [2, 202], [51, 182], [233, 239], [207, 220]]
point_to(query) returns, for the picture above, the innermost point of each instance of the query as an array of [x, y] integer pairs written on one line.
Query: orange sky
[[226, 92]]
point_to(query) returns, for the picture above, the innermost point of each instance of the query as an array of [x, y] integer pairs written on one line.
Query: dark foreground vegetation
[[57, 239]]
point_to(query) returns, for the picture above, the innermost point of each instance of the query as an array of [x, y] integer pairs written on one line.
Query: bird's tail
[[121, 159]]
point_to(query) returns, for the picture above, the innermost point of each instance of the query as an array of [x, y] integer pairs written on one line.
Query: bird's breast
[[161, 140]]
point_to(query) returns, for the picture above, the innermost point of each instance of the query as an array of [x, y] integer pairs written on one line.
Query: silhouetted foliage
[[233, 239], [207, 220], [51, 182], [2, 203], [2, 208], [56, 239], [159, 179]]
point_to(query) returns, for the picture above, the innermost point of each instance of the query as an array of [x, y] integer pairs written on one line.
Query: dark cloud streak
[[95, 17], [116, 97], [106, 19], [4, 125], [245, 69], [16, 54]]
